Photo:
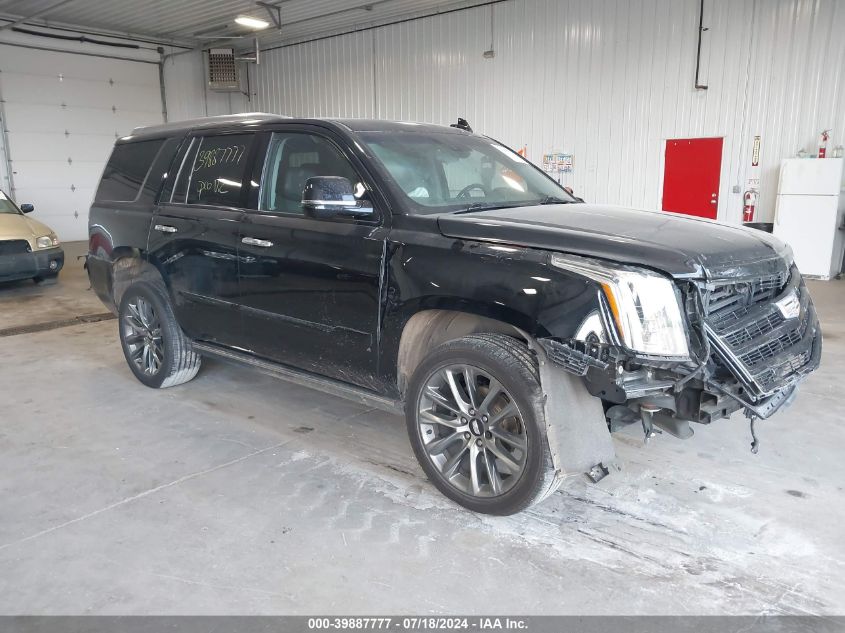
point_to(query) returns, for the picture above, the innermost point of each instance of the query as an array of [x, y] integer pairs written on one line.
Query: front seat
[[293, 182]]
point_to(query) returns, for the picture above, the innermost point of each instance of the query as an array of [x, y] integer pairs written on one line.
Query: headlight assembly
[[47, 241], [644, 305]]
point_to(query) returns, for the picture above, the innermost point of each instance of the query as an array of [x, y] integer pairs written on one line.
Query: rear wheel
[[475, 419], [156, 349]]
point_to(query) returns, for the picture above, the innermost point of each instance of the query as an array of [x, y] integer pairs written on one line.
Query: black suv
[[434, 271]]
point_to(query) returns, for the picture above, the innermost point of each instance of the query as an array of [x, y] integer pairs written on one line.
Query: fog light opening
[[54, 264]]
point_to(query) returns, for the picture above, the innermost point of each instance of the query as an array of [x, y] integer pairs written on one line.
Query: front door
[[195, 232], [691, 176], [310, 287]]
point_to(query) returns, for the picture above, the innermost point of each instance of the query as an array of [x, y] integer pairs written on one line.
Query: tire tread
[[184, 362]]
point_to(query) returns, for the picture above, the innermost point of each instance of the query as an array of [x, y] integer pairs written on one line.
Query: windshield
[[455, 172], [6, 205]]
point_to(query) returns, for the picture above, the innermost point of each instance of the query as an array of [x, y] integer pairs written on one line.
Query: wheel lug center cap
[[476, 427]]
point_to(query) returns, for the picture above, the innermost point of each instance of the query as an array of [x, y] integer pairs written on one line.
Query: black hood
[[675, 244]]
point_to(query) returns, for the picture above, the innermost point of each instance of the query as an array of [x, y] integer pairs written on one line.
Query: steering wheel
[[464, 193]]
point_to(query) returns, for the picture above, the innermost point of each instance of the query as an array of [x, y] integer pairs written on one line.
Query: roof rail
[[222, 119]]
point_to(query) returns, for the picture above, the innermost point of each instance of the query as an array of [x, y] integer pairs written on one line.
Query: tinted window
[[184, 164], [451, 171], [293, 158], [127, 169], [212, 171], [158, 171]]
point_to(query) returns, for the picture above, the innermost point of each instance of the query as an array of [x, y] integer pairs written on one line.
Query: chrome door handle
[[252, 241], [164, 228]]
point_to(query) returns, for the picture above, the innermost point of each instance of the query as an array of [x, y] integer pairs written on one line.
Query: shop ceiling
[[197, 23]]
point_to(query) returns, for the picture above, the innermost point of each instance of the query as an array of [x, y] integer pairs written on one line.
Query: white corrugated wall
[[323, 78], [187, 93], [608, 80]]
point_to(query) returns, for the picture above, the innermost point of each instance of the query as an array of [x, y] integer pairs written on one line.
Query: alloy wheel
[[472, 430], [142, 335]]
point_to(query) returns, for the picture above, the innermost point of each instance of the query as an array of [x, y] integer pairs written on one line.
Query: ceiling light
[[253, 23]]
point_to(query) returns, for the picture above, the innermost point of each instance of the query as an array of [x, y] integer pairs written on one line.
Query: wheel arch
[[431, 327], [130, 267], [578, 435]]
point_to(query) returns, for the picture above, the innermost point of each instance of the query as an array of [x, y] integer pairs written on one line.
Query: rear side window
[[212, 170], [127, 170]]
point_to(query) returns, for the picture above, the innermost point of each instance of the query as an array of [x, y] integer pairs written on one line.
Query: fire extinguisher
[[749, 204], [823, 143]]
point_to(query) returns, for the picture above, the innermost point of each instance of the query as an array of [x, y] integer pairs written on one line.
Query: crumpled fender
[[575, 422]]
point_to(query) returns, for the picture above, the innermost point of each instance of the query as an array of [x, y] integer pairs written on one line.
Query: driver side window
[[293, 158]]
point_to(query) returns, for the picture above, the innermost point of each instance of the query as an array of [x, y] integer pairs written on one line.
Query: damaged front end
[[752, 335]]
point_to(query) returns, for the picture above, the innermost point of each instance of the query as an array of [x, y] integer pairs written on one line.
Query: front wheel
[[156, 349], [475, 420]]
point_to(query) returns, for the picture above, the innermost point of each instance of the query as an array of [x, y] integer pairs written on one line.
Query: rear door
[[194, 237], [310, 287]]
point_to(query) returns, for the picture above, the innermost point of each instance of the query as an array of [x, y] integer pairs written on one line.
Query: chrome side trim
[[352, 204], [254, 241]]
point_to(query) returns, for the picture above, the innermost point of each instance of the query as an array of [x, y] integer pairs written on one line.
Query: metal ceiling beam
[[43, 11], [366, 6], [221, 37], [274, 11]]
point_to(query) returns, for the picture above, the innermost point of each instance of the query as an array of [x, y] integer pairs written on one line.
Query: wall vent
[[222, 70]]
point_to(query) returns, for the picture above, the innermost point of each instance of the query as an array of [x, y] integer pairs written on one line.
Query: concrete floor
[[237, 494], [25, 304]]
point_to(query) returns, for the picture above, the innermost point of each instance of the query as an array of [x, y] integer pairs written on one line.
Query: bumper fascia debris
[[756, 354]]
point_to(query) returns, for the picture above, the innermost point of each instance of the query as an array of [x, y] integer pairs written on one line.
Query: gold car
[[28, 248]]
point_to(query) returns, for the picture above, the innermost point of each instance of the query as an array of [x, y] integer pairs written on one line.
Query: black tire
[[46, 280], [514, 366], [178, 361]]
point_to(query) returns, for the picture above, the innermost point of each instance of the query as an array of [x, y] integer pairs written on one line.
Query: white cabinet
[[810, 214]]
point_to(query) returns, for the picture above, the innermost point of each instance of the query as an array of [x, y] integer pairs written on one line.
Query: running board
[[302, 378]]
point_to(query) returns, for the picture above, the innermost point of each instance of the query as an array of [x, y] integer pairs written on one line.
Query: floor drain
[[54, 325]]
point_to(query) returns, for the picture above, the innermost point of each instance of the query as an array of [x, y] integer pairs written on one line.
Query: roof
[[177, 127], [259, 118], [380, 125]]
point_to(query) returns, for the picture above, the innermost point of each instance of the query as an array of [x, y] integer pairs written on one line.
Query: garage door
[[63, 112]]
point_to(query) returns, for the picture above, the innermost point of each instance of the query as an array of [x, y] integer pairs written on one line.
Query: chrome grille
[[772, 348], [754, 330], [14, 247], [731, 300], [752, 339], [768, 379]]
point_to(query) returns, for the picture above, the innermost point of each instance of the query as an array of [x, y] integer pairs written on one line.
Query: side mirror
[[331, 196], [27, 208]]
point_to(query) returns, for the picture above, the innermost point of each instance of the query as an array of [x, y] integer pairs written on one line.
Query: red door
[[691, 177]]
